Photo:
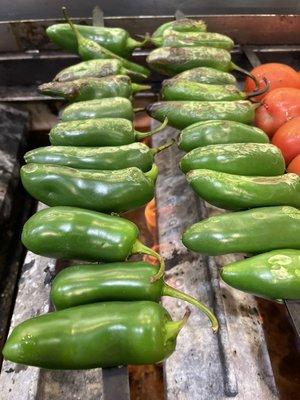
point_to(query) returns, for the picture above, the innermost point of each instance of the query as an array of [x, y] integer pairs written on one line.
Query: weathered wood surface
[[205, 366]]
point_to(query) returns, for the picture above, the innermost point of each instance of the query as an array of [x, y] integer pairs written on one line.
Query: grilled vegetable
[[97, 131], [88, 50], [172, 38], [74, 233], [177, 89], [116, 40], [181, 114], [84, 284], [105, 191], [103, 158], [206, 75], [117, 107], [95, 335], [252, 159], [96, 69], [253, 231], [236, 192], [180, 25], [274, 275], [93, 88], [219, 132]]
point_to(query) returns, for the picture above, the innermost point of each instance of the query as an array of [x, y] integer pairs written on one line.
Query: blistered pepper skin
[[180, 25], [117, 107], [173, 60], [236, 192], [100, 335], [74, 233], [171, 38], [207, 133], [253, 231], [274, 275], [116, 40], [181, 114], [100, 158], [105, 191], [85, 89], [175, 89], [96, 69], [207, 75], [251, 159]]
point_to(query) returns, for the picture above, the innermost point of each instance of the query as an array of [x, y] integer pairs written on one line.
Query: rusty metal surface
[[243, 29]]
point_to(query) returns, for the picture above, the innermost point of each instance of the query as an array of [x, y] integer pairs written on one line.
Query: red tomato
[[279, 106], [287, 138], [277, 75], [294, 166]]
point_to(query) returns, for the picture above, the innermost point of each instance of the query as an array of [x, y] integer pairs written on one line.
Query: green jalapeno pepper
[[181, 114], [173, 60], [74, 233], [92, 283], [116, 40], [104, 158], [252, 159], [274, 275], [177, 89], [236, 192], [172, 38], [180, 25], [96, 69], [106, 191], [207, 75], [93, 88], [253, 231], [97, 131], [95, 335], [117, 107], [206, 133], [88, 50]]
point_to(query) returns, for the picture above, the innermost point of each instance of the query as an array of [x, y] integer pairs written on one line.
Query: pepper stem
[[174, 327], [73, 27], [243, 71], [261, 91], [139, 247], [172, 292], [142, 135], [152, 173], [136, 87], [140, 109], [134, 75], [164, 146]]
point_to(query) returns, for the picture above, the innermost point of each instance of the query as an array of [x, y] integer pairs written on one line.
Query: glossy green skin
[[253, 231], [251, 159], [181, 25], [116, 40], [105, 191], [90, 88], [219, 132], [207, 75], [184, 113], [97, 335], [172, 38], [274, 275], [118, 107], [104, 158], [173, 60], [95, 69], [175, 89], [92, 283], [93, 132], [74, 233], [238, 192]]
